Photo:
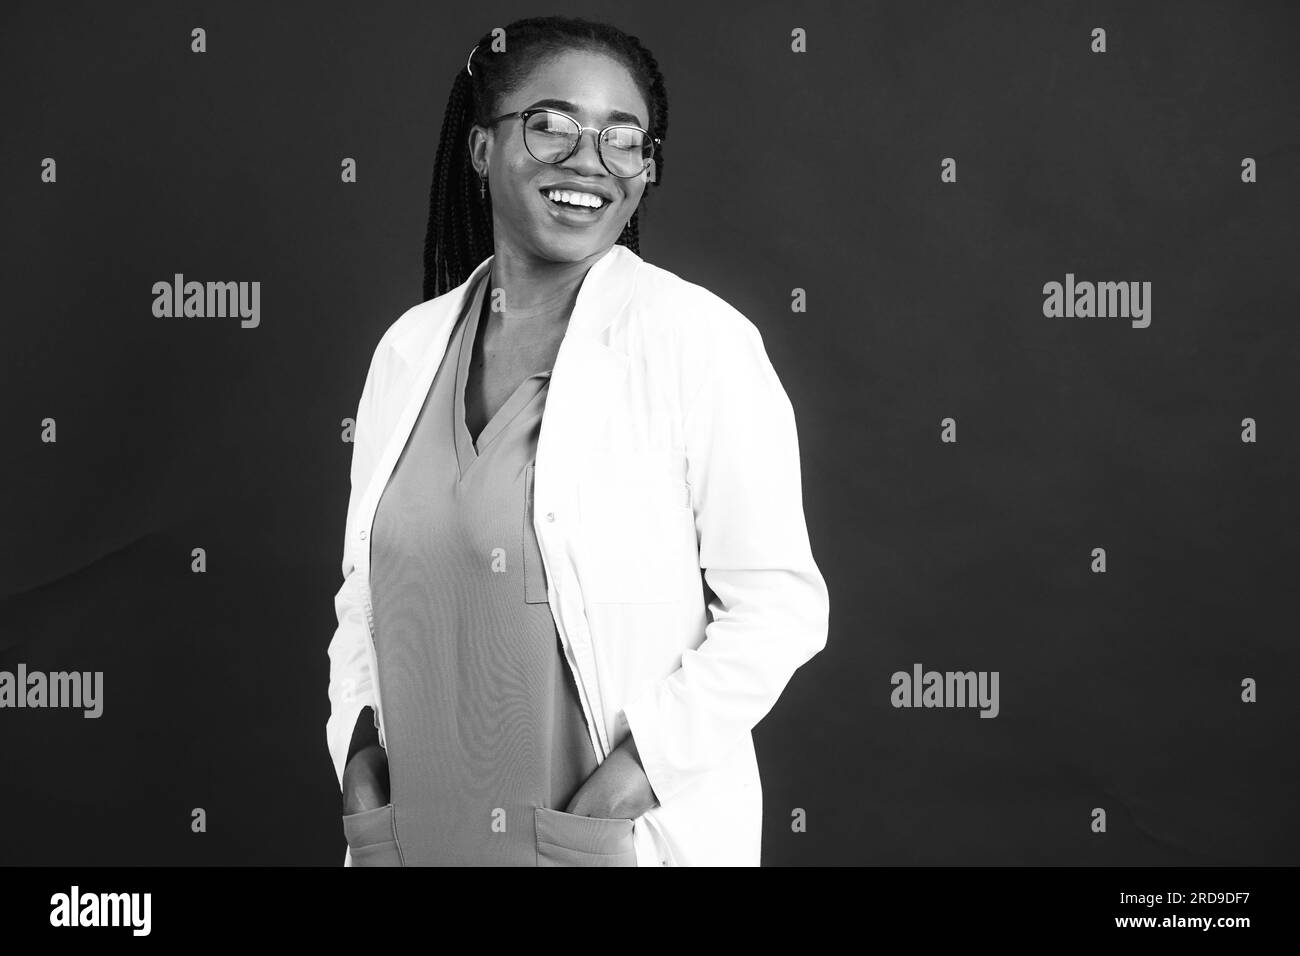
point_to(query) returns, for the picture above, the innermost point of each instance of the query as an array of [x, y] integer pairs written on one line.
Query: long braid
[[632, 234], [459, 232], [458, 226]]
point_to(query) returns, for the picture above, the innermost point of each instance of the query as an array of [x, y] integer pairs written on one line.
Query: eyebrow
[[614, 116]]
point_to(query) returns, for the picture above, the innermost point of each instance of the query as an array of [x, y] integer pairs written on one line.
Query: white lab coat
[[667, 446]]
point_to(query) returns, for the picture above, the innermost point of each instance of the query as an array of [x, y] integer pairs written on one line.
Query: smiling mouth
[[572, 203]]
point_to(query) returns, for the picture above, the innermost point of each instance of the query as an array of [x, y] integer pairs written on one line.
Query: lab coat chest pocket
[[636, 522]]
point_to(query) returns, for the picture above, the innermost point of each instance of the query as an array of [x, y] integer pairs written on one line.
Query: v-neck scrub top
[[483, 722]]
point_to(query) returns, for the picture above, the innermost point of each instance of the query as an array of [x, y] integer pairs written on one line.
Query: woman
[[557, 630]]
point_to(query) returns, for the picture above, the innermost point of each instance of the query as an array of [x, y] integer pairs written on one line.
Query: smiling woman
[[576, 571], [599, 138]]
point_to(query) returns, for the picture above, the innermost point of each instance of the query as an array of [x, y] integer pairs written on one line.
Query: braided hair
[[459, 235]]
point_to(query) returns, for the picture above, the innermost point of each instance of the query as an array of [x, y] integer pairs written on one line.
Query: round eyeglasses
[[552, 137]]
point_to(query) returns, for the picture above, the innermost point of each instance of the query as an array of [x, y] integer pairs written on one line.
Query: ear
[[478, 143], [652, 171]]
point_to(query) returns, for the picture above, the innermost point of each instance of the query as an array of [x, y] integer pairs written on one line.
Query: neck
[[537, 289]]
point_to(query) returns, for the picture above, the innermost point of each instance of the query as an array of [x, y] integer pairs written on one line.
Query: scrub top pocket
[[372, 837], [534, 570], [567, 839]]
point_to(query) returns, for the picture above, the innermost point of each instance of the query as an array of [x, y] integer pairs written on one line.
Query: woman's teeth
[[575, 199]]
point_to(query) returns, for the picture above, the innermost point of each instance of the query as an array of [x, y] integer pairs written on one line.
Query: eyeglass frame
[[600, 153]]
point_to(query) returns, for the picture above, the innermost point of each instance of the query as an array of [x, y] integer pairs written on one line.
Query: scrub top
[[483, 724]]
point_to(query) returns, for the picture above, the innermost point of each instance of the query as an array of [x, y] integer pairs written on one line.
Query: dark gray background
[[819, 171]]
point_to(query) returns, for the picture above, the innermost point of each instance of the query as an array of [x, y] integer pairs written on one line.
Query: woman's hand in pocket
[[618, 788], [365, 779]]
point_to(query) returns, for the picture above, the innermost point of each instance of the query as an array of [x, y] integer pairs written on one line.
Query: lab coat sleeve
[[351, 684], [769, 610]]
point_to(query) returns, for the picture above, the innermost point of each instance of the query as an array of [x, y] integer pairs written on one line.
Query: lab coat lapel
[[587, 372], [422, 347]]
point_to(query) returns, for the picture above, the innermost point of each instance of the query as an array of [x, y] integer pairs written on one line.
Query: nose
[[586, 156]]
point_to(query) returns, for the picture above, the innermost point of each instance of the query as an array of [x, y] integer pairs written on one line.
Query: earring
[[482, 187]]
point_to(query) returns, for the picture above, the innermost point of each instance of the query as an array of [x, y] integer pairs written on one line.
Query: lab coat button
[[363, 536], [550, 516]]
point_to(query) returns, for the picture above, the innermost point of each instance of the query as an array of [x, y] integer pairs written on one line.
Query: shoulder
[[410, 334], [394, 360], [699, 337], [686, 310]]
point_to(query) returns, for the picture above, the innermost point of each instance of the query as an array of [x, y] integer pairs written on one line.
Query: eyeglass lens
[[552, 138]]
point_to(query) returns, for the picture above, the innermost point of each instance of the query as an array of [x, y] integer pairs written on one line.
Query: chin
[[570, 248]]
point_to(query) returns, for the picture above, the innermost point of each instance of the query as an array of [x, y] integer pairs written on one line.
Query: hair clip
[[468, 58]]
